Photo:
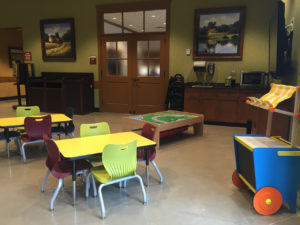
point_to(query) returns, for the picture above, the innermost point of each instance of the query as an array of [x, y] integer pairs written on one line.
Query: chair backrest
[[93, 129], [120, 160], [53, 152], [35, 127], [28, 111], [148, 131], [69, 112], [70, 125]]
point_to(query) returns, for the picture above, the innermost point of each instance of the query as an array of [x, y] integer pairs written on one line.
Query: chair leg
[[58, 136], [19, 144], [44, 181], [60, 183], [82, 178], [157, 171], [143, 188], [101, 201], [70, 135], [87, 185], [125, 184], [94, 186], [23, 152], [120, 184]]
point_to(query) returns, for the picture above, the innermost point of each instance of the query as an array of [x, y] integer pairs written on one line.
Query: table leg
[[66, 133], [6, 136], [156, 137], [74, 181], [147, 166], [19, 95], [198, 129]]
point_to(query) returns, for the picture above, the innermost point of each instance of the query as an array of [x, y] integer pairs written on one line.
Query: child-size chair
[[60, 168], [35, 128], [93, 129], [23, 111], [68, 130], [148, 131], [119, 165]]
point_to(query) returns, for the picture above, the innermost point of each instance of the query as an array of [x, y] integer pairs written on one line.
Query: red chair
[[60, 168], [35, 127], [148, 131]]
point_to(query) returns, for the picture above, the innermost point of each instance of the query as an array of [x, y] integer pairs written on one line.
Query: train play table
[[167, 123]]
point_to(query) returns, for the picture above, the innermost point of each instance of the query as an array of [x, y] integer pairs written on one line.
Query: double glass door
[[133, 73]]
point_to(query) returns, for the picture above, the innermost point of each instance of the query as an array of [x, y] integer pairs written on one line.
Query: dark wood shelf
[[56, 91]]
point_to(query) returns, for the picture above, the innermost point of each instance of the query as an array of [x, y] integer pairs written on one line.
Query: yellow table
[[11, 122], [85, 147]]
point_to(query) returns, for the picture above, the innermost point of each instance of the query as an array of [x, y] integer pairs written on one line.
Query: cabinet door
[[227, 100], [227, 111]]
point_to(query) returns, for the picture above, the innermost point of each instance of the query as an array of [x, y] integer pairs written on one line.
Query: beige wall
[[28, 14], [9, 37]]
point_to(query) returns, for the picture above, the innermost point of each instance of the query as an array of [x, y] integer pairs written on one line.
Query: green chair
[[93, 129], [119, 165], [27, 111]]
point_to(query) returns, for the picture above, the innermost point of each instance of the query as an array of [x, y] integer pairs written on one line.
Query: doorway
[[133, 59]]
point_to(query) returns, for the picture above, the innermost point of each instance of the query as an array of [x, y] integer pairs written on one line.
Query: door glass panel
[[122, 49], [133, 22], [123, 67], [111, 49], [142, 68], [116, 58], [155, 20], [154, 49], [142, 49], [112, 23], [111, 67], [154, 68]]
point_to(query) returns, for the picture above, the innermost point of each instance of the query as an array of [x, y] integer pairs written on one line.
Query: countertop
[[221, 85]]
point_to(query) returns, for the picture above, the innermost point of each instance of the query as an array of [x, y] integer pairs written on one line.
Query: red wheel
[[237, 181], [267, 201]]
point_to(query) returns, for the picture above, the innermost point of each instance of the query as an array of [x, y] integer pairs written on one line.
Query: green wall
[[27, 14]]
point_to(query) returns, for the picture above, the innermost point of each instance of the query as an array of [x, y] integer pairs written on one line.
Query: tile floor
[[197, 188]]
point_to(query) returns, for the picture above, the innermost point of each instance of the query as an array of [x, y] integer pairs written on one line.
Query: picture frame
[[58, 39], [219, 33]]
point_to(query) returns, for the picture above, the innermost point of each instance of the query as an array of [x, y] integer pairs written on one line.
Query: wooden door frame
[[129, 7]]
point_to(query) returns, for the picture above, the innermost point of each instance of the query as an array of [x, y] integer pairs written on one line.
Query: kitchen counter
[[222, 85]]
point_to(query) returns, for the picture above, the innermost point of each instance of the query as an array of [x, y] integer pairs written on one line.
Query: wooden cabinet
[[227, 105], [54, 92]]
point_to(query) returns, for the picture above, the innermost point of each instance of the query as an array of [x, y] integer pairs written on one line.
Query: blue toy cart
[[270, 166]]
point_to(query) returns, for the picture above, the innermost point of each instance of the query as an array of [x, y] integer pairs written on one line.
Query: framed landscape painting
[[58, 39], [219, 33]]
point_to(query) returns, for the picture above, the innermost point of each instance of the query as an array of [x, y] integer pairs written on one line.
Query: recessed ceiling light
[[153, 16], [114, 18], [130, 25], [165, 23]]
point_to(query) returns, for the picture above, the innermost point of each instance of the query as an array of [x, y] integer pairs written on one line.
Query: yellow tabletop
[[19, 121], [83, 146]]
